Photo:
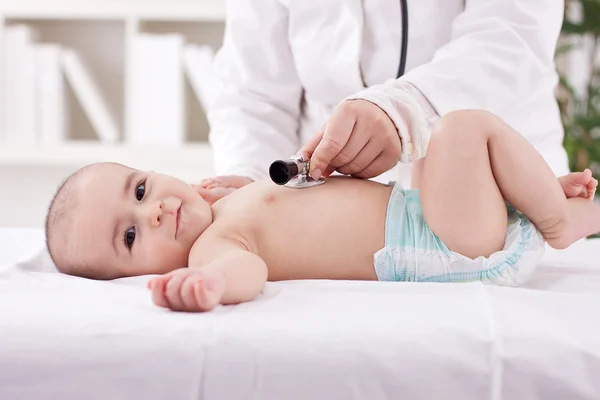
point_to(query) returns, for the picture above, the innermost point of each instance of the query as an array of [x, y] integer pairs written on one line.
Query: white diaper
[[413, 252]]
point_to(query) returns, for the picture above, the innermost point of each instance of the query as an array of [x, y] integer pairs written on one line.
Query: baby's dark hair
[[61, 210], [58, 223]]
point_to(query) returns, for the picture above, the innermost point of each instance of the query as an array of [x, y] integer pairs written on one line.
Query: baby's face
[[134, 222]]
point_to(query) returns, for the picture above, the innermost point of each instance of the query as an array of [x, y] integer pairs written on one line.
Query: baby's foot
[[561, 234], [579, 184]]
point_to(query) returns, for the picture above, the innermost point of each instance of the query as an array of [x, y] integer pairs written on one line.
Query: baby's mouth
[[177, 220]]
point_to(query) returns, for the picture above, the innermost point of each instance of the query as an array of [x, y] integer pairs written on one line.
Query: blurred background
[[129, 81], [578, 94]]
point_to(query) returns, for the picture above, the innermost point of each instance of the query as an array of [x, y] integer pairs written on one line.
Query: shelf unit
[[103, 32], [198, 10], [193, 157]]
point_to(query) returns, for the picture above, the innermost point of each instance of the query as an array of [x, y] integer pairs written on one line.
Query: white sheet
[[69, 338]]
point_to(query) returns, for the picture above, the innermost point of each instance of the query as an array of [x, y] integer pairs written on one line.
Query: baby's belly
[[331, 233]]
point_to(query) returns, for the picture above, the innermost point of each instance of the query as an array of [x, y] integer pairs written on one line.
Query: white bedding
[[69, 338]]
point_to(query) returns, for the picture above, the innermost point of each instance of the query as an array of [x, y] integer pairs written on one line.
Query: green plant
[[580, 110]]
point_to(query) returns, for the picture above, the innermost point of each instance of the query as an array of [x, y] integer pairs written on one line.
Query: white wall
[[26, 192]]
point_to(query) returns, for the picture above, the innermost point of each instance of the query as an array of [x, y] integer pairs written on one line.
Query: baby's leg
[[460, 199], [416, 173], [474, 161]]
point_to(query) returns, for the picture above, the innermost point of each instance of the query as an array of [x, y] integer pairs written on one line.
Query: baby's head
[[109, 221]]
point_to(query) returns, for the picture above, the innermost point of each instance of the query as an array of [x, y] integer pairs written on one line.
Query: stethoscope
[[404, 44], [293, 173]]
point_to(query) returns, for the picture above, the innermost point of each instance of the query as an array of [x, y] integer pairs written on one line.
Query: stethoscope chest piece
[[301, 182], [293, 173]]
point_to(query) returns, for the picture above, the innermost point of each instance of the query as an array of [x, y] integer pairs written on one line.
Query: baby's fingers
[[157, 286], [204, 300], [591, 188], [173, 291], [188, 296], [211, 196], [206, 182], [209, 290]]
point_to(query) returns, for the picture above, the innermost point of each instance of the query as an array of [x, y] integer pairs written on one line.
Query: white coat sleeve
[[497, 53], [254, 117]]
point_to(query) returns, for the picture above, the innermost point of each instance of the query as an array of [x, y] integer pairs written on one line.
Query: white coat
[[285, 65]]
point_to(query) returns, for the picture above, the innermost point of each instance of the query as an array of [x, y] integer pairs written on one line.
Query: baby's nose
[[155, 213]]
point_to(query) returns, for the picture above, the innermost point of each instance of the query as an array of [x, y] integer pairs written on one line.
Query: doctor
[[357, 84]]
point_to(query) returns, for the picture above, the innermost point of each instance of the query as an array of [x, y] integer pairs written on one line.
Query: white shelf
[[191, 156], [198, 10], [103, 33]]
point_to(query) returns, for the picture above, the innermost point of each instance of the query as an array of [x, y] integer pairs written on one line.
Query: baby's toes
[[574, 190], [591, 189], [580, 178], [573, 184]]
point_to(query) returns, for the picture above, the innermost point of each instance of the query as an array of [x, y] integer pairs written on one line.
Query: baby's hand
[[188, 289], [213, 189], [225, 181]]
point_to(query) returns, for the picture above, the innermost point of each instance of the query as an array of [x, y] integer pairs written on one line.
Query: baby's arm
[[222, 272]]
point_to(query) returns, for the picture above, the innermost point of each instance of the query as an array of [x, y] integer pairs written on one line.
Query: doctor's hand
[[358, 140], [213, 189]]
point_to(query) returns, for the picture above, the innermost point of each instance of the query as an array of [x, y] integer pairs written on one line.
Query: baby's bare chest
[[296, 229], [260, 211]]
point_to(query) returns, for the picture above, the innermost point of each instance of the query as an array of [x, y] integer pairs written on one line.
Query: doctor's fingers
[[388, 158], [309, 147], [336, 136], [372, 149], [355, 146]]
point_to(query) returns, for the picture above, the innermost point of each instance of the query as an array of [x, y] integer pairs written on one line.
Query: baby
[[109, 221]]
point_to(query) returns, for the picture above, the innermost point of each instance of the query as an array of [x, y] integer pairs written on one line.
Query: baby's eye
[[140, 190], [129, 237]]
